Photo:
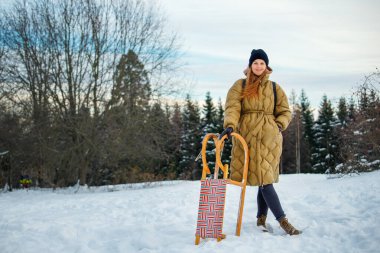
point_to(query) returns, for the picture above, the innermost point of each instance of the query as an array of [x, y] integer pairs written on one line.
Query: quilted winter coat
[[253, 119]]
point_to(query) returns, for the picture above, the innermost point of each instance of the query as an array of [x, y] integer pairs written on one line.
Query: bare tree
[[139, 28], [58, 63]]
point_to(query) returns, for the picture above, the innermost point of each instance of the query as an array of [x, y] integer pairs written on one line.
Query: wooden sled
[[213, 192]]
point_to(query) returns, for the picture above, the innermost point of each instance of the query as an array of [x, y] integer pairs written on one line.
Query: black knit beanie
[[258, 54]]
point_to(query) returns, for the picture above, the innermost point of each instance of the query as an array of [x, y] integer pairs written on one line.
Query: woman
[[258, 109]]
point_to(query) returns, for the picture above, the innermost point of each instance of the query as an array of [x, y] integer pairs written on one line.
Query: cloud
[[323, 47]]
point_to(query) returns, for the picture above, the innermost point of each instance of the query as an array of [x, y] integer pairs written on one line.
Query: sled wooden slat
[[235, 183]]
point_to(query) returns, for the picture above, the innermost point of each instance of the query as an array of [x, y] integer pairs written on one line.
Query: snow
[[338, 215], [4, 153], [339, 167], [374, 163]]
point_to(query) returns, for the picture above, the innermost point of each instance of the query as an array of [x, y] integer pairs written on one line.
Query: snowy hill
[[337, 215]]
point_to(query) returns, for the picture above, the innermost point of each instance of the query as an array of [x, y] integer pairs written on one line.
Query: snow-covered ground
[[337, 215]]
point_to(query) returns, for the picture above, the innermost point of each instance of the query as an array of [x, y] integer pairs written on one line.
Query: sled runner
[[213, 192]]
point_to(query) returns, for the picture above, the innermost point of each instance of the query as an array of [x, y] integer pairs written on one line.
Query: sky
[[324, 47]]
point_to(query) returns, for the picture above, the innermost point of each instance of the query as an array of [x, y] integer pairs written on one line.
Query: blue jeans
[[267, 197]]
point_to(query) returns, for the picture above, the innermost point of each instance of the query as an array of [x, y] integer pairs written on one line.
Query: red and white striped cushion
[[211, 208]]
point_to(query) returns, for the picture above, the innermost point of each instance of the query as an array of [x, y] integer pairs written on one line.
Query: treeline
[[156, 141], [344, 139], [81, 88]]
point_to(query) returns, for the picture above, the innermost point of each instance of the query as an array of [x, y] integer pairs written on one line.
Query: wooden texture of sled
[[219, 165]]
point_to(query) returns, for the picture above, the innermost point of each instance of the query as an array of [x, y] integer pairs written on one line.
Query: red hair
[[251, 89]]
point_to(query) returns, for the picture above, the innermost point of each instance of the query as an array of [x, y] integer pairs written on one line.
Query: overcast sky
[[323, 47]]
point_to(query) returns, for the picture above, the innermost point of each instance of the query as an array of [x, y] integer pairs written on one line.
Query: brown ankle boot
[[261, 221], [289, 229]]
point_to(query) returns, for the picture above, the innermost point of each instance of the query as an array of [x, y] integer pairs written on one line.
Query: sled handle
[[218, 163], [206, 170], [246, 156]]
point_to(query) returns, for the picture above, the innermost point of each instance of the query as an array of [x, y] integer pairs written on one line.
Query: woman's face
[[258, 67]]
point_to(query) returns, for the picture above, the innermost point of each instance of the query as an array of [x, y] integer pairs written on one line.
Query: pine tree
[[209, 125], [131, 85], [160, 139], [191, 140], [351, 109], [326, 152], [373, 103], [127, 137], [209, 115], [177, 131], [363, 99], [308, 141], [342, 112], [226, 155]]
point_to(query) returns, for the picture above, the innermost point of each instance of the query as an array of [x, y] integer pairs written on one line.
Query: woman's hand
[[227, 131]]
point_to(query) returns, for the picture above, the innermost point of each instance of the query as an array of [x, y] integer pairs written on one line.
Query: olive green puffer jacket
[[253, 119]]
